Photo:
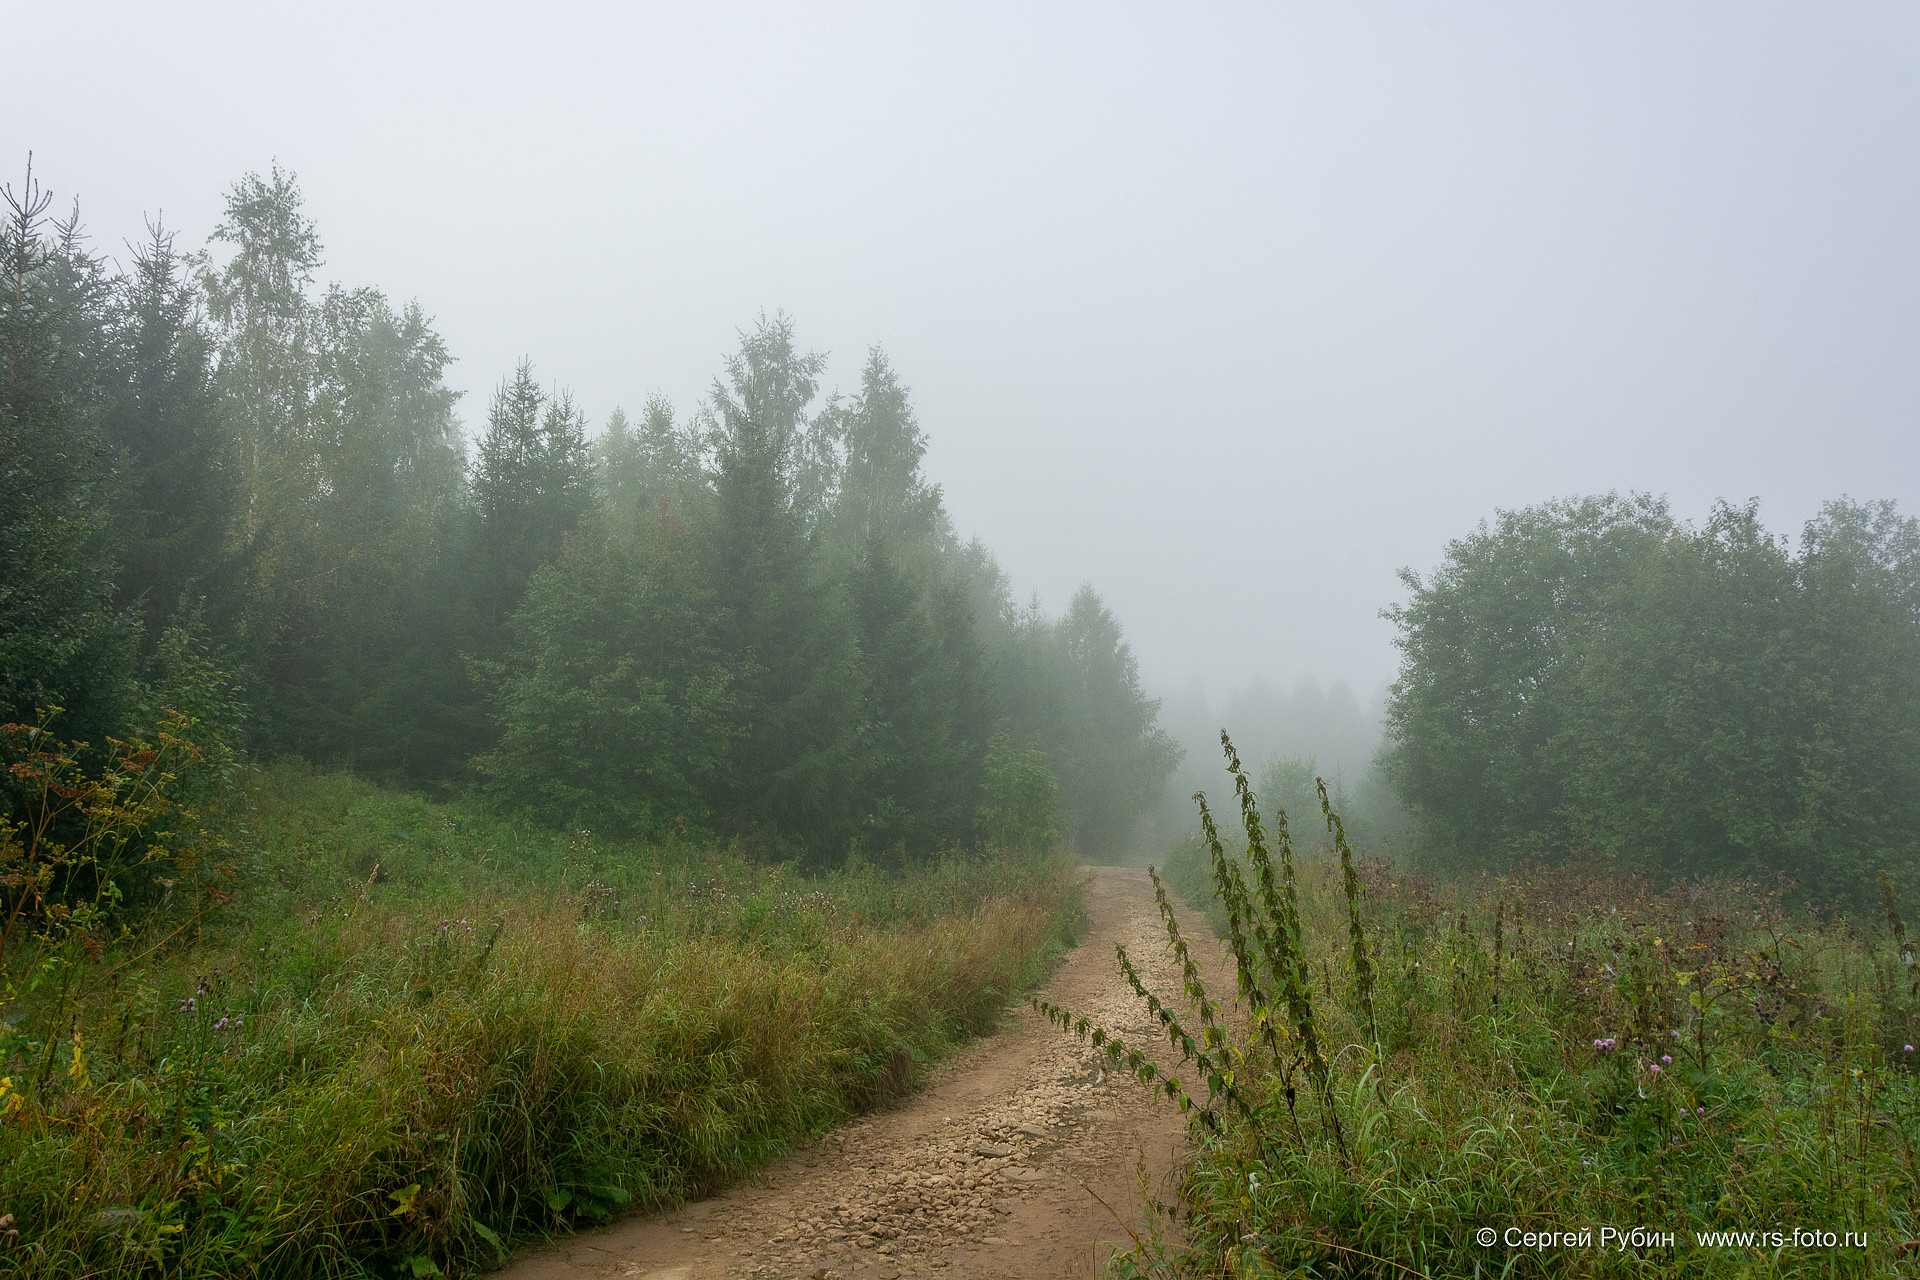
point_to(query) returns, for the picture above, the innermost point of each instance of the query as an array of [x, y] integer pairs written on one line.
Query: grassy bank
[[418, 1033], [1560, 1050]]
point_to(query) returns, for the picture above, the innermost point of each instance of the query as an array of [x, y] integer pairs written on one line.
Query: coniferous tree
[[617, 710], [532, 487], [174, 501], [1113, 758], [910, 745], [882, 493], [758, 622], [649, 467], [782, 623], [62, 640]]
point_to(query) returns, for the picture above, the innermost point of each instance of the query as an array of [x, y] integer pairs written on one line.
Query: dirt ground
[[1022, 1159]]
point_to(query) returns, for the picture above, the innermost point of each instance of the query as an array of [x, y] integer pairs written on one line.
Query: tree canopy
[[751, 619], [1696, 700]]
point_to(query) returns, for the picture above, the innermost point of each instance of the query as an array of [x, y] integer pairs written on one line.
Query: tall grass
[[1559, 1050], [422, 1033]]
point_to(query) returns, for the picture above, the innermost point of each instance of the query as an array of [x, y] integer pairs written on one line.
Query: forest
[[750, 620], [428, 836], [416, 846]]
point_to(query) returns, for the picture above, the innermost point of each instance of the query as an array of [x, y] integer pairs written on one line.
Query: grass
[[417, 1033], [1560, 1050]]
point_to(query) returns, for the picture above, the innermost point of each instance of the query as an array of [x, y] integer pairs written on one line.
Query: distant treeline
[[753, 620], [1288, 739], [1697, 700]]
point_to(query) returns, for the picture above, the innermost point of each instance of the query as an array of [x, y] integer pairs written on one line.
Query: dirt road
[[1020, 1160]]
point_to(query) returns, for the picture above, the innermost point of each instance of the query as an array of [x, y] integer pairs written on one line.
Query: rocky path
[[1022, 1158]]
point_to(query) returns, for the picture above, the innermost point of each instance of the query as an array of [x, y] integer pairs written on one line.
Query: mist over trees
[[1698, 700], [753, 619], [1288, 737]]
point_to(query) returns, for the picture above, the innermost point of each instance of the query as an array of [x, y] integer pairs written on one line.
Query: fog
[[1232, 312]]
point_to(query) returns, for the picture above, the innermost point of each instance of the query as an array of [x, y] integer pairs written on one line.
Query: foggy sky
[[1231, 311]]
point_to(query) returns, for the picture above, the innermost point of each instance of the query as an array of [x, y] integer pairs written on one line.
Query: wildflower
[[1700, 1111], [1666, 1058], [1654, 1067], [1909, 1048]]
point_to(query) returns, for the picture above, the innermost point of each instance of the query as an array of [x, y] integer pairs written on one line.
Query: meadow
[[1564, 1070], [361, 1033]]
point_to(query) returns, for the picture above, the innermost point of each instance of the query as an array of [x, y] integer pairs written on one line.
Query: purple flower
[[1667, 1058], [1655, 1068], [1909, 1048], [1700, 1111]]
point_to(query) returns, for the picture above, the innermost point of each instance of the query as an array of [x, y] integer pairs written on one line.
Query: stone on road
[[1022, 1159]]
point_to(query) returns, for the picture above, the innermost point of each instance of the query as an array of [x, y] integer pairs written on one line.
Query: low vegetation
[[1556, 1050], [374, 1035]]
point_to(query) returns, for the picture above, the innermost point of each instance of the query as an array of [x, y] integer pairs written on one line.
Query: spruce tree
[[782, 622], [174, 499], [62, 640]]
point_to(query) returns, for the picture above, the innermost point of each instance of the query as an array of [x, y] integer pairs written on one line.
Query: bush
[[423, 1032], [1697, 701], [1554, 1049]]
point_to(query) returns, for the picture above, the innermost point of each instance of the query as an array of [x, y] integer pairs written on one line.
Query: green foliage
[[531, 487], [1073, 689], [882, 497], [651, 470], [87, 850], [754, 622], [1019, 809], [175, 497], [622, 714], [783, 621], [423, 1033], [1555, 1049], [1697, 701], [62, 640]]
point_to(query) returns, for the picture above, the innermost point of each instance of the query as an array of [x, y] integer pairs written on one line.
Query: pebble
[[884, 1205]]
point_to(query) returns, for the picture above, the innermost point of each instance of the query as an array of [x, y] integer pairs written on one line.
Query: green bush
[[420, 1032], [1556, 1049]]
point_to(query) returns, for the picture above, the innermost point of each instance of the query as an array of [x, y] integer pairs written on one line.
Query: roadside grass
[[1558, 1050], [420, 1033]]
